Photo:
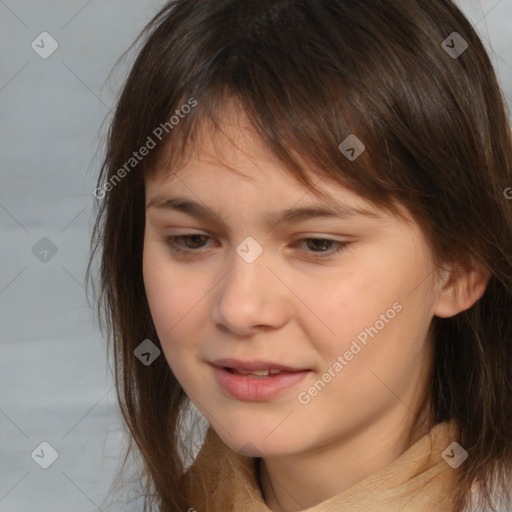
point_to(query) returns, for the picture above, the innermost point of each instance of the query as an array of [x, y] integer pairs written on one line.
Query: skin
[[289, 307]]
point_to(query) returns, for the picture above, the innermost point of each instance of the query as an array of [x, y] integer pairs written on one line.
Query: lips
[[256, 380]]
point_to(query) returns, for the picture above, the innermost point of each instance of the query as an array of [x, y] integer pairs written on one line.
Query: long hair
[[309, 73]]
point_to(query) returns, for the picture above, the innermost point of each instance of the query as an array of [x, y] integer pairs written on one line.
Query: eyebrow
[[288, 216]]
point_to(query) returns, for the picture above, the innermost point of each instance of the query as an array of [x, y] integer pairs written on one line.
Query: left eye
[[321, 244], [322, 247]]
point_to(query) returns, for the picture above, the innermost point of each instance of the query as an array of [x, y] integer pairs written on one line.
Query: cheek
[[171, 295], [374, 306], [342, 306], [174, 303]]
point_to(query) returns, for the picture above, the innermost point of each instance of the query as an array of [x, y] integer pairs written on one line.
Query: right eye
[[186, 243]]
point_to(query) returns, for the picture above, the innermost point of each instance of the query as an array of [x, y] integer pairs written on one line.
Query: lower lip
[[255, 389]]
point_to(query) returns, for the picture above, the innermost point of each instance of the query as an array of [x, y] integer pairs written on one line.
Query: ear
[[461, 288]]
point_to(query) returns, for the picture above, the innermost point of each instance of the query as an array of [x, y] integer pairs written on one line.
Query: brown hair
[[308, 73]]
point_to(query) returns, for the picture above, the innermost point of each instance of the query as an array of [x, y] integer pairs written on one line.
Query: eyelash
[[172, 241]]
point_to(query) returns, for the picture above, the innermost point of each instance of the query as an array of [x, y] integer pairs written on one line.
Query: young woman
[[305, 233]]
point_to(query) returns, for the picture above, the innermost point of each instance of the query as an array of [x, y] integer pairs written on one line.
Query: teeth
[[259, 373]]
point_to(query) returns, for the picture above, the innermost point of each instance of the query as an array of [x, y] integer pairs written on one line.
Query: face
[[342, 301]]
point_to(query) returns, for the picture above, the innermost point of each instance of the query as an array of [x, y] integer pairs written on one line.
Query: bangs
[[307, 157], [308, 150]]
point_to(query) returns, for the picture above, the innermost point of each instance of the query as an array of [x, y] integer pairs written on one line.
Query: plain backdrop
[[56, 386]]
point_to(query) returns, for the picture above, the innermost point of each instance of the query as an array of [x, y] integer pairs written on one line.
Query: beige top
[[420, 480]]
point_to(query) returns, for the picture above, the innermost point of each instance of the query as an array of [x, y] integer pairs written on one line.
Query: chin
[[257, 445]]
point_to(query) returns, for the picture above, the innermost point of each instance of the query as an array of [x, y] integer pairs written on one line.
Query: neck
[[300, 481]]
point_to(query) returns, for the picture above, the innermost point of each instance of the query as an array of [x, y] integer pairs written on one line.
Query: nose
[[250, 298]]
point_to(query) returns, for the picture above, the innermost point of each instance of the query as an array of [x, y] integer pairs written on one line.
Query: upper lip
[[255, 365]]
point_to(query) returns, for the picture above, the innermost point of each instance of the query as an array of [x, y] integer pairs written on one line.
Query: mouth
[[254, 381]]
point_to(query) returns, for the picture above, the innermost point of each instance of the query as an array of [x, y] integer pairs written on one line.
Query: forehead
[[225, 148]]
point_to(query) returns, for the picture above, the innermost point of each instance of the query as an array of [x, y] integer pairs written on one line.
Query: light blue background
[[55, 384]]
